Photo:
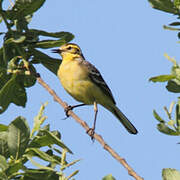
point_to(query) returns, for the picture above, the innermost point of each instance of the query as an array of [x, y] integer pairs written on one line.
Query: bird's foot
[[91, 132], [67, 109]]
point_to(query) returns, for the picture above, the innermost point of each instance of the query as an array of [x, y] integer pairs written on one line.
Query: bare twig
[[131, 172]]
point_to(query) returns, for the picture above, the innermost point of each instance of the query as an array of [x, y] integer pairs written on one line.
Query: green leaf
[[61, 34], [44, 174], [12, 92], [170, 174], [109, 177], [3, 176], [45, 44], [173, 86], [171, 28], [4, 77], [24, 8], [166, 130], [164, 5], [177, 4], [162, 78], [18, 137], [50, 63], [42, 155], [3, 127], [175, 24], [178, 115], [56, 140], [4, 151], [14, 167], [3, 163], [156, 115], [73, 174], [38, 165], [17, 41]]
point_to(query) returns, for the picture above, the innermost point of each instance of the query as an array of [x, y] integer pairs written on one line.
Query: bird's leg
[[68, 108], [92, 130]]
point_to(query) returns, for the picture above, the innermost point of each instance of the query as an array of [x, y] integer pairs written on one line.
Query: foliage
[[18, 146], [172, 126], [170, 174], [19, 52]]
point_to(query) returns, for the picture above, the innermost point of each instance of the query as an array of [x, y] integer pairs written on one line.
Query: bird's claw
[[91, 132], [67, 109]]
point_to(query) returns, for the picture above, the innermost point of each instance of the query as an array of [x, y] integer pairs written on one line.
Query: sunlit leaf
[[42, 155], [18, 40], [170, 174], [162, 78], [18, 137], [3, 163], [156, 115], [3, 127], [56, 140], [109, 177]]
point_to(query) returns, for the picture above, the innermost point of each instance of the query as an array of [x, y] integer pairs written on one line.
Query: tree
[[172, 126]]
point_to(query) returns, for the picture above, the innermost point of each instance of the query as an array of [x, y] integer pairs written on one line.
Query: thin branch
[[99, 138]]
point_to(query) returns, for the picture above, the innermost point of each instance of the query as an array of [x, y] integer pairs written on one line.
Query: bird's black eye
[[69, 48]]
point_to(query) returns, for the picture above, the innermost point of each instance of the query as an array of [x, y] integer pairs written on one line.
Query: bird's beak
[[56, 51]]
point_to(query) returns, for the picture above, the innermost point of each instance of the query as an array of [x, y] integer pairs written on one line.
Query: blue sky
[[126, 42]]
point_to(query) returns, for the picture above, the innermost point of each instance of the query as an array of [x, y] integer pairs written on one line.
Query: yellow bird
[[84, 83]]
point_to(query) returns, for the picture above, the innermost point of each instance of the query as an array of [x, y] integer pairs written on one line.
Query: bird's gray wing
[[96, 77]]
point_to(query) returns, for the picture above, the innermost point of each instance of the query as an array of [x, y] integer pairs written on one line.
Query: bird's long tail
[[123, 119]]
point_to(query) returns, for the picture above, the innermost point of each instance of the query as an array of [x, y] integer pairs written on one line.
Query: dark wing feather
[[96, 77]]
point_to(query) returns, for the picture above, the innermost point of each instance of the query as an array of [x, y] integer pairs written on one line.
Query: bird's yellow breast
[[74, 78]]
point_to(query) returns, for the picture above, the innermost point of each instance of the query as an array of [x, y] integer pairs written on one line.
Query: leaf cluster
[[18, 146], [20, 51]]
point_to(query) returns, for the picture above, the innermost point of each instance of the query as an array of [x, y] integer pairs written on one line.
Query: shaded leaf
[[4, 151], [13, 168], [166, 130], [24, 8], [61, 34], [173, 86], [162, 78], [109, 177], [156, 115], [170, 174], [45, 44], [3, 176], [175, 24], [164, 5], [12, 92], [44, 174], [18, 137], [50, 63]]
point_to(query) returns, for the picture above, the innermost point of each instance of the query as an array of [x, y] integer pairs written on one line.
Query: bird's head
[[69, 50]]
